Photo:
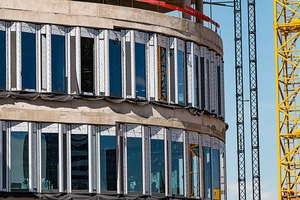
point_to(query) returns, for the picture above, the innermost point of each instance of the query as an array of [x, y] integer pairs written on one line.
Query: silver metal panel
[[177, 135], [213, 82], [18, 57], [133, 130], [103, 57], [60, 158], [78, 58], [222, 89], [79, 129], [152, 68], [186, 164], [176, 48], [157, 132], [190, 72], [206, 142], [125, 37], [132, 57], [1, 156], [146, 160], [8, 56], [108, 130], [215, 143]]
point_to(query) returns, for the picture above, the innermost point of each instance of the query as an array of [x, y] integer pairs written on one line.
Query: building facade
[[109, 101]]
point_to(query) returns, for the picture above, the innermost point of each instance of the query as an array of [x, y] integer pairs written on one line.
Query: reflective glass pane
[[115, 68], [4, 159], [28, 61], [58, 63], [49, 161], [162, 74], [194, 170], [140, 69], [177, 168], [79, 159], [19, 160], [87, 65], [108, 163], [216, 173], [157, 166], [134, 165], [2, 60], [207, 172], [181, 82], [196, 81]]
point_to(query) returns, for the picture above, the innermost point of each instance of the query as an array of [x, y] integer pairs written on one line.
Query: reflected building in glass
[[110, 100]]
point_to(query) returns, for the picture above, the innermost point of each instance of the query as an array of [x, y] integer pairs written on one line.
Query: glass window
[[202, 81], [181, 81], [177, 168], [19, 172], [2, 60], [157, 166], [140, 69], [194, 170], [134, 165], [115, 68], [49, 161], [87, 64], [162, 74], [4, 159], [108, 163], [216, 173], [65, 177], [196, 81], [79, 159], [28, 61], [128, 67], [207, 172], [58, 63]]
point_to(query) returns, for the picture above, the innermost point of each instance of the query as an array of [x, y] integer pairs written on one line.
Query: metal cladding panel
[[212, 82], [215, 143], [206, 141], [79, 129], [207, 63], [222, 89], [49, 128], [152, 68], [133, 130], [189, 76], [102, 62], [126, 36], [146, 161]]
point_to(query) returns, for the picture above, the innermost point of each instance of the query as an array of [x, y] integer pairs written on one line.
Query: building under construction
[[111, 99]]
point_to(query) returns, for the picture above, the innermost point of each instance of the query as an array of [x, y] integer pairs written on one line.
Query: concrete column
[[186, 2], [199, 7]]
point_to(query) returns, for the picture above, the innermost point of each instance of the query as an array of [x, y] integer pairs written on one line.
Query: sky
[[266, 85]]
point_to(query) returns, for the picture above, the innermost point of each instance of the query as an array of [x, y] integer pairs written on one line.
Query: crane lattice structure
[[287, 52]]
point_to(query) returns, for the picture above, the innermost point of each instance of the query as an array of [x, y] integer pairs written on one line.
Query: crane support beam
[[238, 37], [253, 100], [287, 60]]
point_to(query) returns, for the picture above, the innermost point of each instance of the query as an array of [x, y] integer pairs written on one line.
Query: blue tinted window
[[2, 60], [28, 61], [207, 171], [177, 168], [216, 173], [140, 69], [19, 161], [196, 81], [157, 166], [194, 170], [134, 165], [108, 163], [58, 63], [181, 84], [115, 68], [49, 163], [79, 159]]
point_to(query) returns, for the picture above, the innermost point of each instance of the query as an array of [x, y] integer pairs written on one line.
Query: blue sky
[[266, 83]]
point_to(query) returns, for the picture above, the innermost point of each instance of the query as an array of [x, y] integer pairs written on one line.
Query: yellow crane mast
[[287, 53]]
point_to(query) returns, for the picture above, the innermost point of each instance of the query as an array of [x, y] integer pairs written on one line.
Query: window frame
[[3, 27]]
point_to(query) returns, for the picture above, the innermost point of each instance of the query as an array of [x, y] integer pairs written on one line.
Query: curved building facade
[[109, 100]]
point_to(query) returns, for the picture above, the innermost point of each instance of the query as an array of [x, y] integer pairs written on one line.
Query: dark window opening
[[58, 63], [87, 65], [196, 81], [115, 69], [181, 77], [28, 61], [140, 69], [2, 60], [128, 68], [4, 160], [207, 172], [157, 166]]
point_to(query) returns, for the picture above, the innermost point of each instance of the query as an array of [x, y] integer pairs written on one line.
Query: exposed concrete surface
[[72, 13], [107, 113]]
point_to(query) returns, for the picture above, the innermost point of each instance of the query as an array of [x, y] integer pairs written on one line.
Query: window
[[140, 69], [19, 172], [79, 162], [108, 163], [115, 68], [134, 165], [4, 160], [194, 170], [196, 81], [181, 81], [162, 74], [87, 65], [207, 172], [177, 179], [28, 61], [2, 60], [216, 174], [49, 161], [157, 166], [58, 58], [202, 81]]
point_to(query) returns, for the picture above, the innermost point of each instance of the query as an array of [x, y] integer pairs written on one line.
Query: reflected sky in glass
[[58, 63], [115, 68], [207, 172], [177, 181], [181, 77], [194, 170], [140, 69], [216, 169], [157, 166], [28, 61]]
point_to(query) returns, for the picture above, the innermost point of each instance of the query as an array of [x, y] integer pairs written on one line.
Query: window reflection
[[162, 74], [140, 69], [194, 170], [58, 63], [157, 166], [216, 173], [207, 172], [87, 64], [4, 159], [49, 164], [177, 168], [28, 61], [108, 163], [196, 81], [79, 158], [19, 160], [2, 60], [134, 165], [115, 68], [181, 84]]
